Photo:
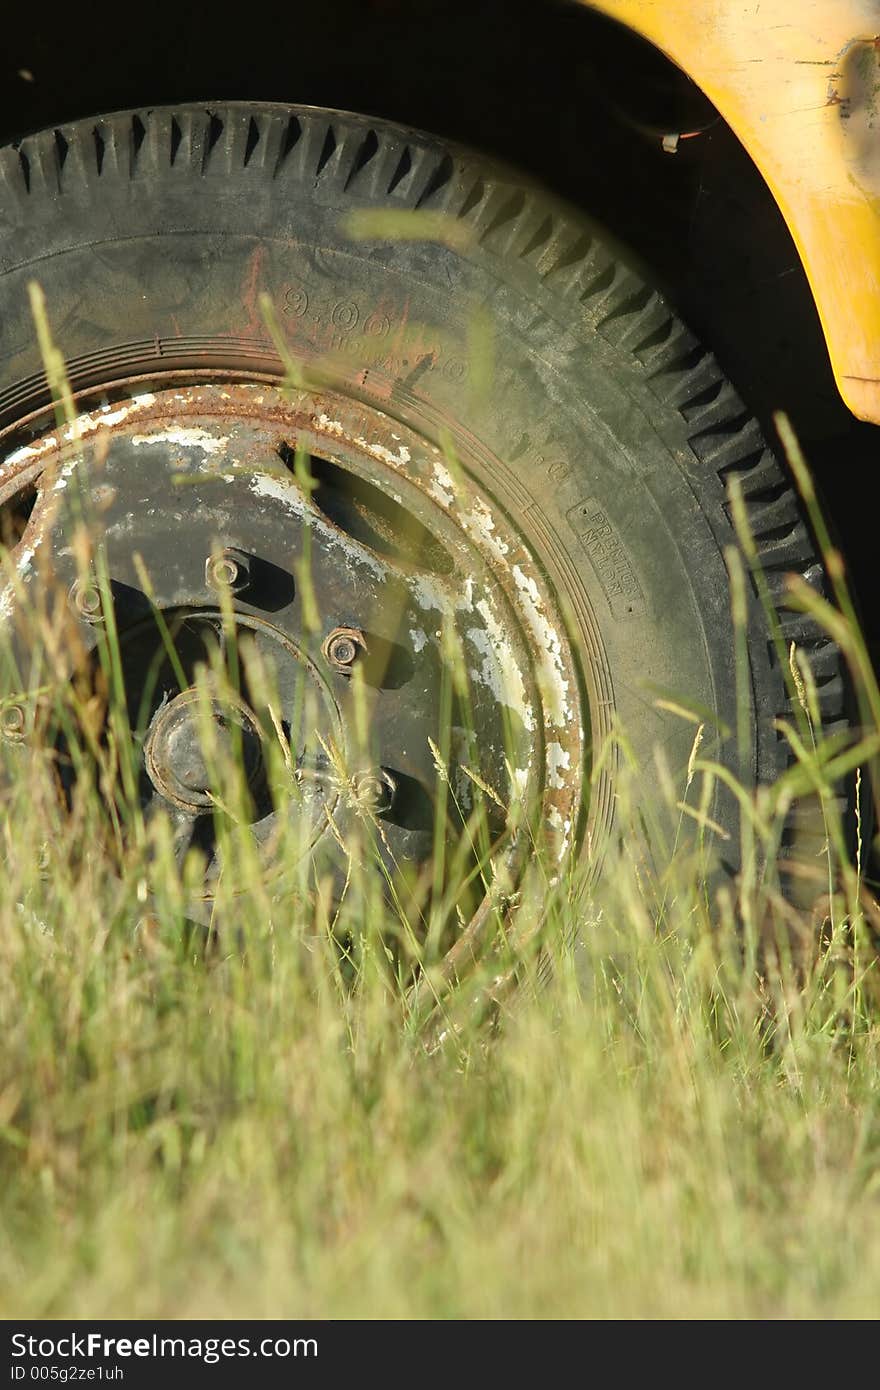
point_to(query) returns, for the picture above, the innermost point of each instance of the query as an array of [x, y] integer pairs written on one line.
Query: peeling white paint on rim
[[291, 498], [442, 487], [30, 451], [554, 818], [331, 426], [549, 645], [106, 417], [562, 825], [507, 675], [23, 562], [193, 437], [67, 473], [429, 594], [480, 522], [557, 757], [378, 451]]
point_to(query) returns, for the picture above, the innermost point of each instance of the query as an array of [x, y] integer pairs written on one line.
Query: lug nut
[[86, 599], [375, 790], [342, 646], [12, 723], [342, 651], [231, 567]]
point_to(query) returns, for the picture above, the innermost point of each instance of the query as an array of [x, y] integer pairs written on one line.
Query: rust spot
[[251, 292]]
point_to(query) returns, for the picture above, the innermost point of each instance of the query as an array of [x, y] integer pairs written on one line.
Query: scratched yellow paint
[[799, 83]]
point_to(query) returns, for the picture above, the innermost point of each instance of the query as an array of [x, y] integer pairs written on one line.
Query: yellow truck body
[[798, 81]]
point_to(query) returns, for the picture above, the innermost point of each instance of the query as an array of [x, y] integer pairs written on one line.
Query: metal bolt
[[342, 646], [375, 790], [86, 599], [231, 567], [12, 723]]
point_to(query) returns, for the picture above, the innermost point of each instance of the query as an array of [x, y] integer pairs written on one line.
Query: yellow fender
[[798, 81]]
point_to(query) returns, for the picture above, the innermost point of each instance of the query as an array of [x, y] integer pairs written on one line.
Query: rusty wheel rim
[[221, 486]]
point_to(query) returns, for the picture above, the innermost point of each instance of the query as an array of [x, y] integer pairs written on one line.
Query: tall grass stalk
[[676, 1112]]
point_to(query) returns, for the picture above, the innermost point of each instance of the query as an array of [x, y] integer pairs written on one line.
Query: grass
[[655, 1134], [685, 1121]]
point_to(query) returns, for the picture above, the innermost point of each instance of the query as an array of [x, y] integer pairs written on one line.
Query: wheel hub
[[176, 751]]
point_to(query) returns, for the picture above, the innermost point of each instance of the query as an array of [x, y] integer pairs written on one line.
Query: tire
[[608, 433]]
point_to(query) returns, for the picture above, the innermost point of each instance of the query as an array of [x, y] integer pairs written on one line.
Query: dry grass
[[684, 1122]]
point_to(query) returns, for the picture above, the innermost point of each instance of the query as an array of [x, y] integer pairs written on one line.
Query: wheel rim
[[354, 556]]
